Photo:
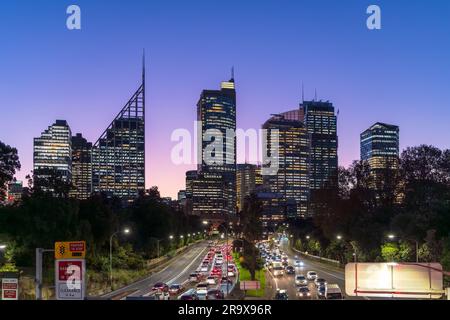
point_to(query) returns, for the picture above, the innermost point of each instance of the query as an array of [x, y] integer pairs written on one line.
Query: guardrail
[[317, 258]]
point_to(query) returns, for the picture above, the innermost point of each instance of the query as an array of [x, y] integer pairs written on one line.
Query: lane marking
[[187, 267]]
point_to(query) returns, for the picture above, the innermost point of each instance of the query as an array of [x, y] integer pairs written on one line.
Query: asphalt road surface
[[176, 272], [329, 273]]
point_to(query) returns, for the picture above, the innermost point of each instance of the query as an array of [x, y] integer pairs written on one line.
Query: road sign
[[70, 249], [70, 279], [10, 289], [394, 280], [249, 285]]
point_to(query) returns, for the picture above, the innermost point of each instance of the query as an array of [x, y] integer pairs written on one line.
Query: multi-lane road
[[286, 282], [177, 271]]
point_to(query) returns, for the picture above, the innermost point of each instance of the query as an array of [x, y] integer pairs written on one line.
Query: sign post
[[10, 289], [70, 270]]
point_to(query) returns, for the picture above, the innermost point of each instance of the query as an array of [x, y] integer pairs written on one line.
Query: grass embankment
[[244, 275]]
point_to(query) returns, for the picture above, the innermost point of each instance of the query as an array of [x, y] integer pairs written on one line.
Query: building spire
[[232, 74], [315, 94], [143, 66], [303, 93]]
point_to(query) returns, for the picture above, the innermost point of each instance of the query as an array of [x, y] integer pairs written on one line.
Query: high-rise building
[[246, 175], [81, 167], [52, 154], [288, 142], [321, 123], [118, 156], [216, 113], [380, 148]]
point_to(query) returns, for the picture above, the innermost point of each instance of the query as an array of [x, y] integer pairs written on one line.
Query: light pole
[[339, 237], [393, 236], [125, 231]]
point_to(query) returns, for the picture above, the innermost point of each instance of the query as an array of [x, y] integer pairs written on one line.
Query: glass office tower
[[81, 167], [214, 191], [52, 154], [118, 156], [380, 148], [291, 179]]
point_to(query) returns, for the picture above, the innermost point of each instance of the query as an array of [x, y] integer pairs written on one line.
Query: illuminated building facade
[[214, 191], [52, 154], [81, 167], [380, 148], [118, 156], [292, 177], [246, 175], [321, 123]]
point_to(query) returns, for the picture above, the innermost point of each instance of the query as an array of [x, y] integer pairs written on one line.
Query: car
[[225, 280], [175, 289], [231, 273], [300, 280], [278, 271], [189, 295], [320, 281], [311, 275], [321, 291], [215, 294], [303, 292], [285, 263], [211, 280], [204, 269], [333, 292], [160, 286], [290, 270], [219, 261], [281, 295], [298, 263], [201, 289], [194, 277]]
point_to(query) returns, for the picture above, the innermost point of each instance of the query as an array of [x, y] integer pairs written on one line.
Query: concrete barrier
[[320, 259]]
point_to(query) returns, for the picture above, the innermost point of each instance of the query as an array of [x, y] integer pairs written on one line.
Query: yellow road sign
[[70, 249]]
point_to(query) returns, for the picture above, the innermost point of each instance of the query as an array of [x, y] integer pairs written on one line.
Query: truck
[[333, 292]]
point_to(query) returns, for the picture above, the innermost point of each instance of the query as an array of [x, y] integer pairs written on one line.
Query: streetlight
[[2, 246], [205, 222], [125, 231], [393, 236], [171, 237], [339, 237], [308, 237]]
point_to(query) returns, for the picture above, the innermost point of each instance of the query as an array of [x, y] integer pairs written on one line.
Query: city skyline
[[67, 75]]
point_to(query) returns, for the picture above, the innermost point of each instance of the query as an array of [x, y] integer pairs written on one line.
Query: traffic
[[292, 277], [214, 278]]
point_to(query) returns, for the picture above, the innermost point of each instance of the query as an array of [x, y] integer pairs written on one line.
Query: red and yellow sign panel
[[70, 250]]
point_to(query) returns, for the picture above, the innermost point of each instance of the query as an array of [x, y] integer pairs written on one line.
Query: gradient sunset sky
[[399, 74]]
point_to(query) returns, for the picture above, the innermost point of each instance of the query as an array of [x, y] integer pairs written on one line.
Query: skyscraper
[[291, 179], [246, 175], [380, 148], [118, 156], [52, 154], [216, 113], [81, 167], [321, 123]]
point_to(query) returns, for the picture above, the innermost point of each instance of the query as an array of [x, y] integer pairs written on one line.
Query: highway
[[176, 272], [329, 273]]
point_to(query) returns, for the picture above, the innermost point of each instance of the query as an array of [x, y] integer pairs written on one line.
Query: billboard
[[70, 277], [394, 280]]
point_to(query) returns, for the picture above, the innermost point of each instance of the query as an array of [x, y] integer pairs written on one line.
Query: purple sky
[[399, 74]]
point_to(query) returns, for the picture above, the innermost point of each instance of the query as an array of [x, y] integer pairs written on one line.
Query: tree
[[9, 163], [252, 231]]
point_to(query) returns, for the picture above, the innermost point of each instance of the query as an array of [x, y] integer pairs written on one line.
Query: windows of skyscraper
[[292, 178], [81, 167], [380, 148], [322, 127], [52, 154], [119, 154], [214, 190], [246, 175]]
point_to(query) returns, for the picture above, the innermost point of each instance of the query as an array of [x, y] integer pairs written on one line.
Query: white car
[[211, 280], [298, 263], [202, 289], [219, 261], [311, 275], [204, 269], [300, 280], [278, 271]]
